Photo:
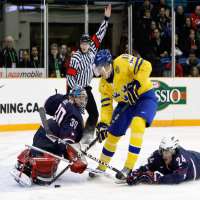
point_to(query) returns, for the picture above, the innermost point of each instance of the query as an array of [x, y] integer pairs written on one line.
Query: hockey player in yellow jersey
[[125, 80]]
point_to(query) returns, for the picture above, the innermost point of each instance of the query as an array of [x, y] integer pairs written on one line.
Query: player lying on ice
[[125, 80], [170, 164], [67, 124]]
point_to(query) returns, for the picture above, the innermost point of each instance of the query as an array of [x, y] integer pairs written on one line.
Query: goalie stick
[[55, 138]]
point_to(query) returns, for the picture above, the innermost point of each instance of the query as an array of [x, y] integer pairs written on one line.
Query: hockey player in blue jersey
[[67, 124], [170, 164]]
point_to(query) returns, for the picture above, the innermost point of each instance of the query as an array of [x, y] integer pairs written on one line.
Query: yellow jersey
[[126, 69]]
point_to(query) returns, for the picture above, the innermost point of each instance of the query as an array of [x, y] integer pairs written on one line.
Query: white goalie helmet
[[169, 144]]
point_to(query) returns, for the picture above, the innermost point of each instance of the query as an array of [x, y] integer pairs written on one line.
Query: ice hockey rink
[[81, 187]]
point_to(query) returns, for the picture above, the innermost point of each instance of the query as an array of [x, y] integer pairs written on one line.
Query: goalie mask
[[79, 96]]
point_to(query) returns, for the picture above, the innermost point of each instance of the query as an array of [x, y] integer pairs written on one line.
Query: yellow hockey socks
[[108, 150], [136, 138]]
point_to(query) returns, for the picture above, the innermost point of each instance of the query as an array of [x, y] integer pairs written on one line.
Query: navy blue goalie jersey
[[185, 166], [67, 122]]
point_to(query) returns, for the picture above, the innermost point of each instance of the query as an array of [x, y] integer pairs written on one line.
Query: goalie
[[170, 164], [67, 124]]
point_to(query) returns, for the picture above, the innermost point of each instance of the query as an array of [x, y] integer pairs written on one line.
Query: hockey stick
[[91, 144], [47, 152], [58, 175]]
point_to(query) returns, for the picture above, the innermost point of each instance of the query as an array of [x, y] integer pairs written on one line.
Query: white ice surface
[[80, 187]]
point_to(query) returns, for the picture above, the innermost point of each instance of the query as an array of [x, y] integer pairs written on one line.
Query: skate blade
[[98, 173], [120, 182], [22, 179]]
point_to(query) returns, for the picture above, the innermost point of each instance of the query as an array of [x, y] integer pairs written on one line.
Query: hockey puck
[[92, 175], [56, 186]]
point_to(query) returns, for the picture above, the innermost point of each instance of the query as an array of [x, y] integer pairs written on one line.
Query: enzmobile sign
[[167, 95]]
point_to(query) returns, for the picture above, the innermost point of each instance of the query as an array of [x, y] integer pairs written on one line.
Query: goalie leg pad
[[24, 156], [44, 167]]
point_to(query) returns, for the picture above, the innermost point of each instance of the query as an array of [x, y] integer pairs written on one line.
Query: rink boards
[[178, 101]]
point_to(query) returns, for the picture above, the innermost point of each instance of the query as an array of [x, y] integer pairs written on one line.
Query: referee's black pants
[[93, 113]]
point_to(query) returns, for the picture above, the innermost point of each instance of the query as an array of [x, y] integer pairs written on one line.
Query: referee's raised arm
[[81, 73], [99, 35]]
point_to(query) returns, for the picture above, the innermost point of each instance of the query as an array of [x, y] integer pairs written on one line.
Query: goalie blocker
[[66, 124]]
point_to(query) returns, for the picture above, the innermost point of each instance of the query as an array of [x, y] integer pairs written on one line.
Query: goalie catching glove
[[101, 131]]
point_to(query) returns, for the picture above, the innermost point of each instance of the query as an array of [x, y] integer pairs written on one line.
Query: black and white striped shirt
[[80, 71]]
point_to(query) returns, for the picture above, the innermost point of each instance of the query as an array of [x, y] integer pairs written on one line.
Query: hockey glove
[[147, 177], [74, 155], [131, 90], [101, 131], [132, 179]]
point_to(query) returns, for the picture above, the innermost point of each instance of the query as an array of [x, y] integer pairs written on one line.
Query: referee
[[81, 72]]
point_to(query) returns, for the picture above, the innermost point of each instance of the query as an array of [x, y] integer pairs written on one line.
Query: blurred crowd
[[59, 57], [151, 40], [152, 36]]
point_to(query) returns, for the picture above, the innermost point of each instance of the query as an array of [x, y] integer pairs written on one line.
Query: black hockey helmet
[[85, 38]]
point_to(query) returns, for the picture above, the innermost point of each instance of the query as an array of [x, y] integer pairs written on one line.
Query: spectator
[[198, 39], [156, 9], [190, 62], [191, 43], [35, 61], [159, 45], [54, 62], [163, 4], [178, 70], [178, 47], [153, 26], [159, 49], [25, 62], [147, 5], [10, 59], [163, 21], [180, 18], [1, 59], [63, 52], [123, 42], [184, 33], [194, 72], [142, 41], [71, 52], [64, 58], [195, 18]]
